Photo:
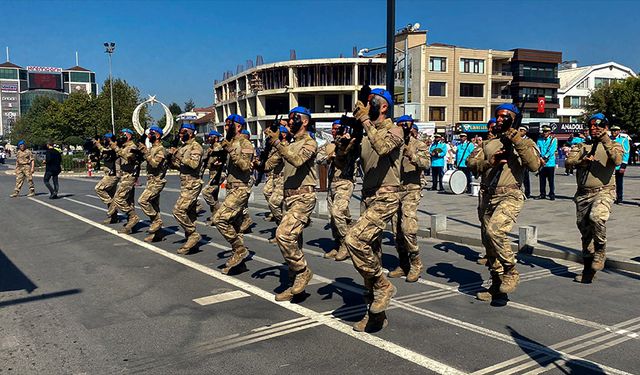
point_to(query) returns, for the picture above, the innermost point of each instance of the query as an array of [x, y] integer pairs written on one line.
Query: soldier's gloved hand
[[513, 135], [603, 136], [225, 144], [361, 111], [272, 135]]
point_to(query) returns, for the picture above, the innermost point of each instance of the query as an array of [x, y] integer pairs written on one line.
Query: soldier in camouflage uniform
[[482, 191], [595, 162], [156, 169], [188, 159], [415, 160], [381, 156], [106, 187], [123, 199], [229, 216], [341, 155], [215, 166], [501, 162], [25, 165], [300, 181], [275, 166]]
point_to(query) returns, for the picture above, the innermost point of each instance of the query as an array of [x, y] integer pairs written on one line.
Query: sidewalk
[[558, 235]]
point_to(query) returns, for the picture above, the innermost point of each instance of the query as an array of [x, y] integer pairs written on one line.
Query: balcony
[[501, 76], [500, 98], [537, 79]]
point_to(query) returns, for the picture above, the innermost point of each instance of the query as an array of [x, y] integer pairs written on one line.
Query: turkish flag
[[541, 104]]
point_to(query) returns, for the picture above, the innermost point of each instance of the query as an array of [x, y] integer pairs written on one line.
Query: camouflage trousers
[[229, 216], [150, 198], [338, 199], [185, 211], [210, 194], [125, 193], [277, 197], [289, 232], [267, 189], [500, 212], [364, 240], [24, 173], [592, 213], [406, 222], [106, 190]]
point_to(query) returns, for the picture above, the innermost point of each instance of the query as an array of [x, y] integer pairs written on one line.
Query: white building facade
[[576, 83]]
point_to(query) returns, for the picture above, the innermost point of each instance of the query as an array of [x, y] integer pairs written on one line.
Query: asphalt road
[[76, 297]]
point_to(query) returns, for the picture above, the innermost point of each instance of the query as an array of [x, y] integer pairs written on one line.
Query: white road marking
[[388, 346], [222, 297]]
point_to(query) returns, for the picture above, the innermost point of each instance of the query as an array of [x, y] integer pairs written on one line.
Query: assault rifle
[[264, 154], [350, 125]]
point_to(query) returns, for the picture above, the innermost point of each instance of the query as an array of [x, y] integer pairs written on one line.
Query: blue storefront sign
[[474, 128]]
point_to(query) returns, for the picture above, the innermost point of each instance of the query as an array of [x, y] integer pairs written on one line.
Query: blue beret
[[237, 118], [336, 122], [215, 133], [245, 131], [283, 129], [414, 126], [127, 130], [598, 116], [508, 107], [156, 129], [405, 118], [384, 93], [108, 135], [302, 110], [21, 142], [492, 120], [187, 125], [312, 134]]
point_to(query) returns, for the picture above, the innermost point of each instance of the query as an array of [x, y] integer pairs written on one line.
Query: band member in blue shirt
[[438, 151], [548, 145], [464, 150]]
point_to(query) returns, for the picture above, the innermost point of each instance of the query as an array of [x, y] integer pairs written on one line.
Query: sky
[[175, 49]]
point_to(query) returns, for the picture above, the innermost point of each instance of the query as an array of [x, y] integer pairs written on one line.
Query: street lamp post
[[109, 48]]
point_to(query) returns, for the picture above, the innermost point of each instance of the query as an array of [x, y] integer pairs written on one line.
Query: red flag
[[541, 104]]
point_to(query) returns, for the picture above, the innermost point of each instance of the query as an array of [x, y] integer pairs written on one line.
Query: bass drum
[[454, 181]]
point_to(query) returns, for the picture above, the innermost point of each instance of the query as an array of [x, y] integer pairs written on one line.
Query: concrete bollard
[[438, 225], [252, 197], [322, 207], [527, 237]]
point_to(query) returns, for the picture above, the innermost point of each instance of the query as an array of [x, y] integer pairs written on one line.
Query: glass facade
[[8, 73], [27, 98], [79, 77]]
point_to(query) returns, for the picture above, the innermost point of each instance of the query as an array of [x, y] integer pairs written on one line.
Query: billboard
[[9, 101], [49, 81], [44, 69], [8, 87]]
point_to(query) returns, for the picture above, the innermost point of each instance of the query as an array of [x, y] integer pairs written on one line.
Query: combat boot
[[128, 227], [383, 291], [156, 224], [285, 295], [14, 194], [403, 267], [342, 254], [482, 261], [493, 293], [31, 193], [246, 224], [273, 240], [371, 322], [192, 240], [331, 254], [509, 280], [599, 259], [301, 281], [237, 257], [151, 238], [588, 274], [415, 270]]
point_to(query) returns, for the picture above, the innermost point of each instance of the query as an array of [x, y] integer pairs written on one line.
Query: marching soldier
[[187, 159], [300, 181], [381, 159], [229, 216], [215, 165], [341, 155], [415, 159], [25, 165], [106, 188], [156, 169], [127, 152], [275, 165], [595, 162], [483, 185], [501, 162]]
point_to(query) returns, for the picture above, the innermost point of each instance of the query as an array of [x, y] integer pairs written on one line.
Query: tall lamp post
[[109, 48]]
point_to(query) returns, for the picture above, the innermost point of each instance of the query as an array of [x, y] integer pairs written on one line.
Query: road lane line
[[222, 297], [377, 342]]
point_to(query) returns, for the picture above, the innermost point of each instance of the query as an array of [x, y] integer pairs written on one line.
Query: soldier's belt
[[303, 190], [381, 190], [235, 185], [585, 190], [504, 189]]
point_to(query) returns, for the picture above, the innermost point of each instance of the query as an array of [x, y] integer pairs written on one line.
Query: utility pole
[[391, 32]]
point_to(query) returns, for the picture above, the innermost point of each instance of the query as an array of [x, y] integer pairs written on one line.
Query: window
[[436, 114], [79, 77], [437, 89], [599, 82], [474, 90], [534, 93], [471, 114], [573, 102], [471, 66], [8, 73], [584, 84], [438, 64]]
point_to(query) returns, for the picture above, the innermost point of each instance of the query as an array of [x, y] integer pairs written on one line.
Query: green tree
[[39, 124], [189, 105], [125, 100], [619, 101]]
